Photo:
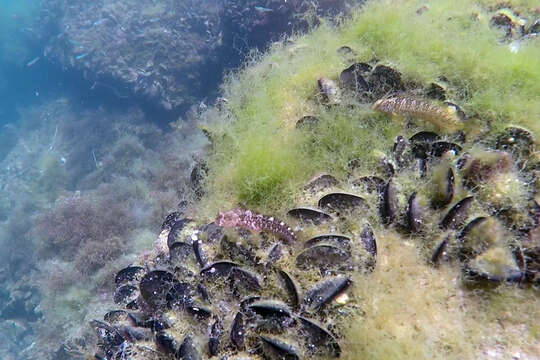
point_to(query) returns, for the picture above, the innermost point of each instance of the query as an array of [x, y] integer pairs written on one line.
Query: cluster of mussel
[[236, 294], [469, 199], [469, 204]]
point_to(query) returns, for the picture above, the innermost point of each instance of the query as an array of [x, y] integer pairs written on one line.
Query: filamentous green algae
[[407, 308]]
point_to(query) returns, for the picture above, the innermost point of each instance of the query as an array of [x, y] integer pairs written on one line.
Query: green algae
[[408, 309], [496, 86]]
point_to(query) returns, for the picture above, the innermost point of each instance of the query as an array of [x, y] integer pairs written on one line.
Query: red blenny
[[250, 220]]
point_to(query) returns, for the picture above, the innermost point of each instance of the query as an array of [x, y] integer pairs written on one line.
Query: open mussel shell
[[219, 268], [323, 256], [338, 240], [439, 148], [275, 253], [439, 251], [214, 233], [424, 137], [156, 323], [371, 184], [421, 143], [400, 151], [214, 337], [495, 265], [180, 295], [310, 215], [270, 308], [348, 51], [444, 182], [199, 311], [245, 279], [200, 253], [321, 182], [238, 332], [155, 286], [179, 253], [129, 275], [274, 348], [176, 230], [170, 220], [292, 289], [116, 316], [389, 206], [457, 215], [341, 201], [189, 349], [516, 140], [125, 294], [326, 291], [319, 339], [238, 250], [166, 343], [369, 242], [385, 81], [306, 122], [415, 214], [352, 78]]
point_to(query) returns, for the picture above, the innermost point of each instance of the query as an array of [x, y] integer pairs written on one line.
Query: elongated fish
[[262, 9], [81, 56], [33, 61]]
